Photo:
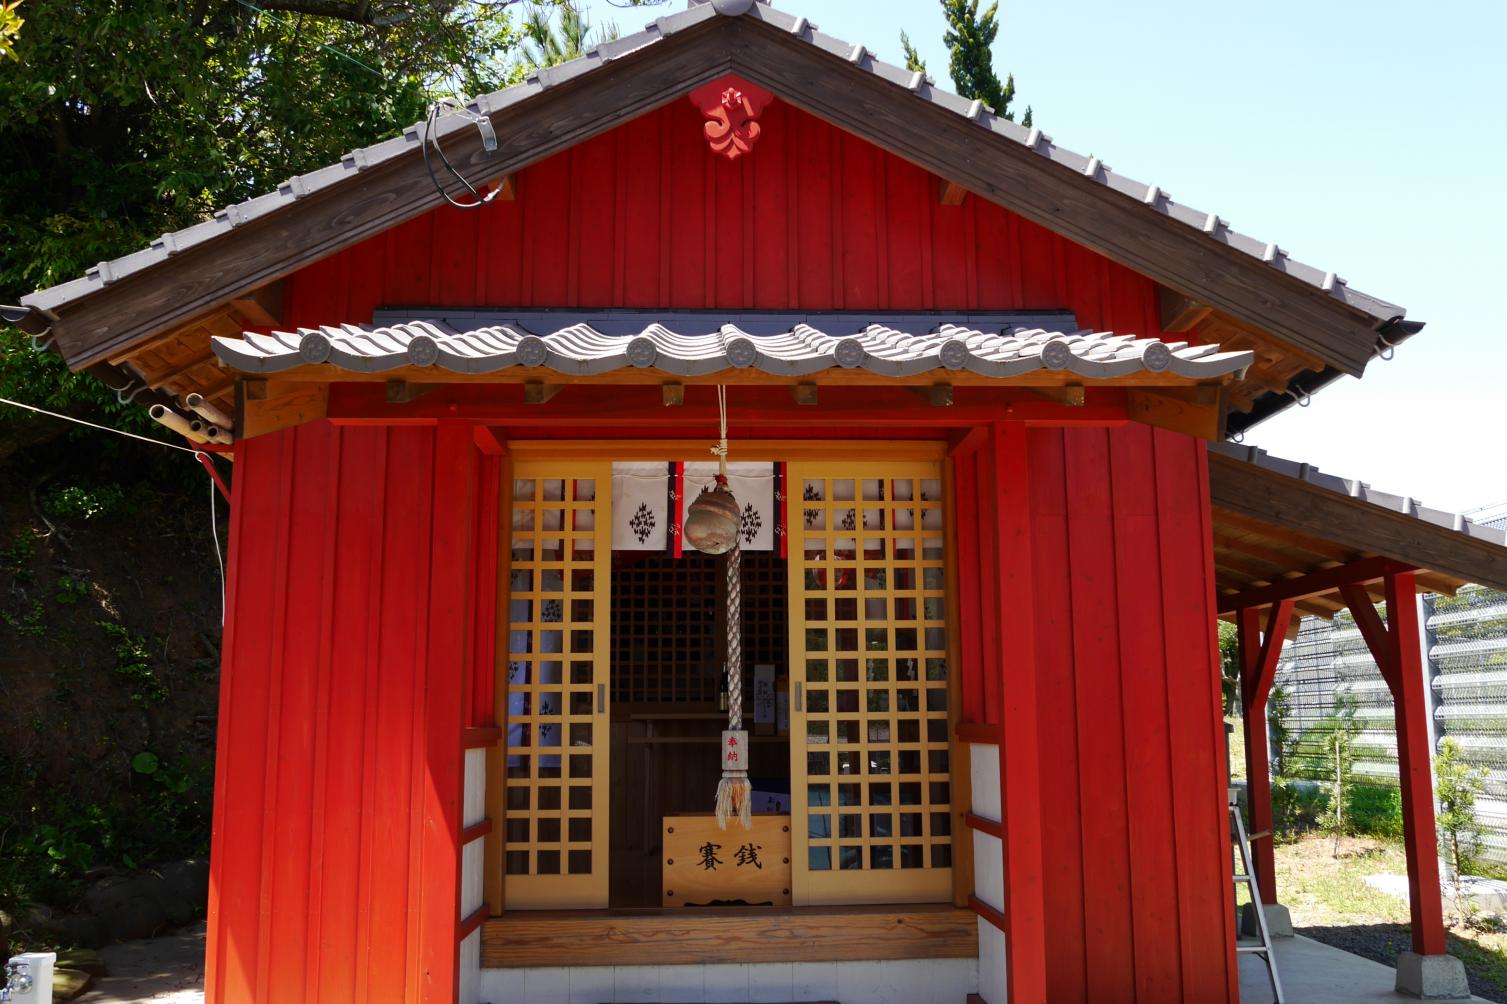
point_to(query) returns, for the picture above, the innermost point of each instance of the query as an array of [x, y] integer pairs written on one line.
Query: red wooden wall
[[1133, 837], [337, 800], [645, 216]]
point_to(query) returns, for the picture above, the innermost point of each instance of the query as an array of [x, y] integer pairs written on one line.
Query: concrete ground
[[1314, 973], [166, 970], [170, 970]]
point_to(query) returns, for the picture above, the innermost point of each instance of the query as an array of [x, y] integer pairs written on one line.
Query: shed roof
[[122, 302], [1277, 519]]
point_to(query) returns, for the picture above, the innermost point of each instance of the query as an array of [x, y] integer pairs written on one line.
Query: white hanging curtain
[[752, 485], [640, 506]]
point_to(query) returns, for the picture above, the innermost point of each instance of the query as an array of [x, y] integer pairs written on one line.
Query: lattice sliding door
[[559, 581], [868, 650]]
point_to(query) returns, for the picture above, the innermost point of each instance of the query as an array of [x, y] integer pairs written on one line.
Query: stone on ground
[[1432, 977]]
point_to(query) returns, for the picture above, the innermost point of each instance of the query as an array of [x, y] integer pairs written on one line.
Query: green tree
[[122, 119], [10, 27], [1229, 667], [970, 40], [1339, 758], [1456, 786], [913, 60], [547, 45], [1278, 719]]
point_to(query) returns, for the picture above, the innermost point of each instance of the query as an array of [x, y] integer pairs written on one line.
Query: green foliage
[[18, 553], [133, 663], [1339, 758], [1278, 717], [1229, 666], [548, 46], [123, 119], [969, 39], [1375, 810], [1457, 785], [10, 27], [1296, 807], [31, 621], [71, 590], [913, 60], [79, 502]]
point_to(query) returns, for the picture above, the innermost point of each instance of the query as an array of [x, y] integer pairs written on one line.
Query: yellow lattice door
[[558, 579], [868, 653]]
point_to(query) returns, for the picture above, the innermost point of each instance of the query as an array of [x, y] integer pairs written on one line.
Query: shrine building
[[978, 392]]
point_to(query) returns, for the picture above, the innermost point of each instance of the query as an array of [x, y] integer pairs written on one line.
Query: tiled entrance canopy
[[883, 346]]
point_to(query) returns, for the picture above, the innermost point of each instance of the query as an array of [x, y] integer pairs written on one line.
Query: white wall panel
[[983, 761], [470, 969], [991, 972], [989, 870], [474, 805]]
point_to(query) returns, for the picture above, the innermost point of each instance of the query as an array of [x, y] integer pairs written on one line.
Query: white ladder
[[1248, 876]]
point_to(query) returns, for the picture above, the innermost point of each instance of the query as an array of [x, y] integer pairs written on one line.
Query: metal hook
[[1238, 437], [1390, 351], [40, 341], [1303, 401]]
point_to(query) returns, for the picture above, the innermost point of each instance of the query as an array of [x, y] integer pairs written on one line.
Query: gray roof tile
[[581, 349], [290, 191], [1406, 505]]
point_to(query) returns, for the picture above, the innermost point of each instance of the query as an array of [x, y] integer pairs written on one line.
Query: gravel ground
[[165, 970]]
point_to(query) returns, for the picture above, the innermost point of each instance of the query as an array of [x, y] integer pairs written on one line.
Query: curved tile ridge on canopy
[[581, 350]]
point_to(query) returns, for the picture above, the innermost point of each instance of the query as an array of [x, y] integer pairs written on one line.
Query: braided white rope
[[735, 638]]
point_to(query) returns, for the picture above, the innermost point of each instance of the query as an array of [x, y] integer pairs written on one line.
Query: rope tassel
[[734, 792]]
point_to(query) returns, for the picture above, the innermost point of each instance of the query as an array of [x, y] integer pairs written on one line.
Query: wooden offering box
[[706, 865]]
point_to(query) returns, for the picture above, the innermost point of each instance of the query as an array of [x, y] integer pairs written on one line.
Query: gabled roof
[[181, 275]]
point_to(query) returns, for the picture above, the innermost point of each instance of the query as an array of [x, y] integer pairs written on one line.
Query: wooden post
[[1258, 668], [1415, 771], [1019, 749]]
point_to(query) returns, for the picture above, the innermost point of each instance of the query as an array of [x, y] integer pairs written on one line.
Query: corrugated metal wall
[[1466, 640]]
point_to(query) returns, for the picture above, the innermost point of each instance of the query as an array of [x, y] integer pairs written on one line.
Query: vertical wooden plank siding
[[1133, 841], [645, 217], [337, 810]]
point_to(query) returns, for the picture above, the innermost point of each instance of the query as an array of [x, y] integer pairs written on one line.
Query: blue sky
[[1366, 138]]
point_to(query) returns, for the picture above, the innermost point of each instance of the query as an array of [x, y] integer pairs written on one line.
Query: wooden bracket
[[1071, 395], [536, 392], [1197, 411], [402, 392], [804, 393], [262, 407], [506, 188], [953, 193], [732, 107], [938, 395], [673, 394], [1180, 313], [262, 306]]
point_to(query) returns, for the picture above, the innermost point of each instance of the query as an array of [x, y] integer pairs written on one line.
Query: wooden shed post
[[1415, 767], [1258, 668]]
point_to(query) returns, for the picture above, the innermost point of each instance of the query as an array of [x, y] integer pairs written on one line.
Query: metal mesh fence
[[1466, 641]]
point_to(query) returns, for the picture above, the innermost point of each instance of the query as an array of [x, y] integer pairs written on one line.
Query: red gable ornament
[[732, 107]]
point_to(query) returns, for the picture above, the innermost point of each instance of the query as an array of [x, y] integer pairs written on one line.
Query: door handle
[[601, 698], [798, 702]]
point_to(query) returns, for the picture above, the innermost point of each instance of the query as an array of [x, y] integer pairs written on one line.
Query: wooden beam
[[538, 392], [1363, 608], [952, 194], [1069, 395], [261, 307], [402, 392], [1273, 497], [1276, 531], [1357, 572], [938, 395], [1191, 413], [969, 441], [1180, 313], [261, 407], [489, 441], [527, 939], [889, 408]]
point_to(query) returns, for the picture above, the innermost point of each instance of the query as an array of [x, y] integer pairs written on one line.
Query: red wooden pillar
[[1258, 668], [1019, 748], [1415, 767]]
